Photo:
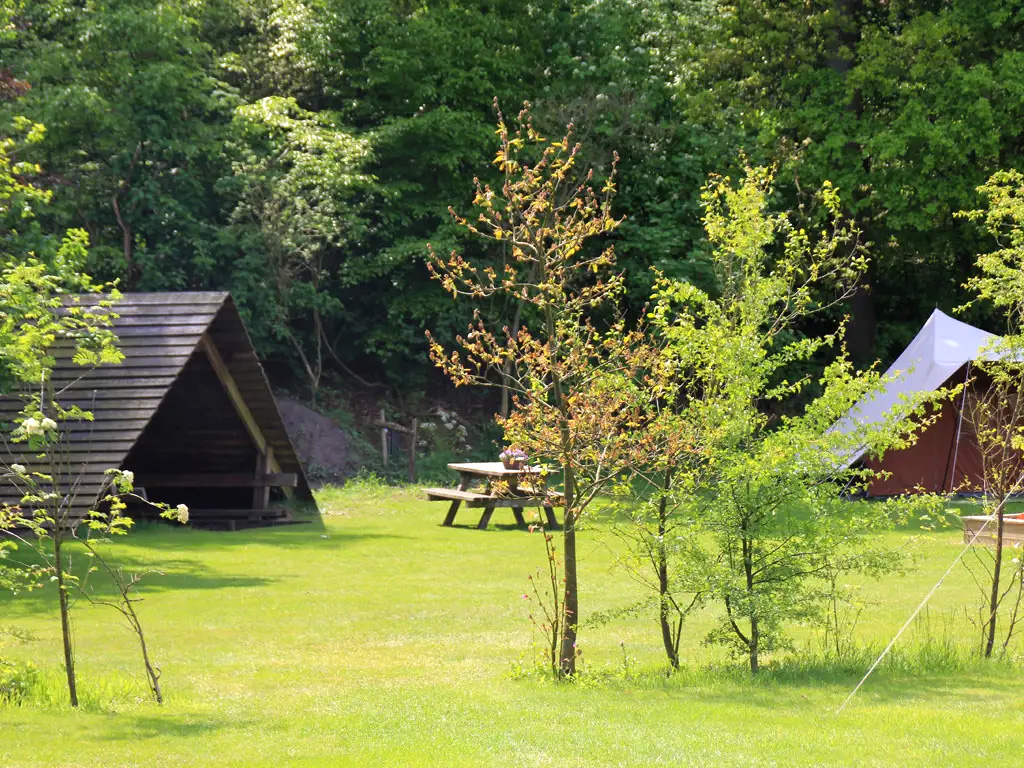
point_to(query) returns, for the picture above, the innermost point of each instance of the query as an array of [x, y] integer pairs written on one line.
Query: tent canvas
[[945, 456]]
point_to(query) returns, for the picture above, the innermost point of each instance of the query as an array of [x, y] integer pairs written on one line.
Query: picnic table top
[[491, 469]]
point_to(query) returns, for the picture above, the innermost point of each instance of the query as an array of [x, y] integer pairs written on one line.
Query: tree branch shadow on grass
[[979, 682], [134, 553], [125, 726], [161, 576], [492, 527], [146, 535]]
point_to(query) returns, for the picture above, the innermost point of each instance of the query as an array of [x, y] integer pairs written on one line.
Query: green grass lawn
[[381, 638]]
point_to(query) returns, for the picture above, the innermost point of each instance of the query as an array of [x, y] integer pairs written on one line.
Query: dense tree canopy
[[302, 153], [905, 106]]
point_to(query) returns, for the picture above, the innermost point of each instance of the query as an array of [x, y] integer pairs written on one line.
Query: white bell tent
[[945, 456]]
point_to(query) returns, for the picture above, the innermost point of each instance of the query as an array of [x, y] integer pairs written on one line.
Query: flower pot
[[513, 463]]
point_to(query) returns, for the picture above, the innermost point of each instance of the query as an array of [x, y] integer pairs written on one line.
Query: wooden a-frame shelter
[[189, 411]]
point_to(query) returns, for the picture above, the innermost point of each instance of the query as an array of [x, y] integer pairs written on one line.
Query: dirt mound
[[324, 449]]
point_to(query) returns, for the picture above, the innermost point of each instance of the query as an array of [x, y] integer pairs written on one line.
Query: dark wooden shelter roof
[[159, 333]]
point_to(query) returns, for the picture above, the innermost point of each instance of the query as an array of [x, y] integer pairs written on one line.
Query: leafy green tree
[[429, 118], [620, 81], [576, 377], [995, 408], [43, 310], [136, 124], [421, 79], [905, 107], [32, 304], [265, 47], [761, 515], [20, 197], [48, 308], [303, 201], [144, 144]]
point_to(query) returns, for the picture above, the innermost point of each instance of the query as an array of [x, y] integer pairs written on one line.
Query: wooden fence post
[[413, 437]]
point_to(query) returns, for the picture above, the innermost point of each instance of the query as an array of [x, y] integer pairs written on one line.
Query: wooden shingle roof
[[158, 333]]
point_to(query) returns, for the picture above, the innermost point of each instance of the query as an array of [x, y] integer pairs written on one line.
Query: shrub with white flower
[[123, 480], [37, 430], [110, 518], [446, 432], [43, 303]]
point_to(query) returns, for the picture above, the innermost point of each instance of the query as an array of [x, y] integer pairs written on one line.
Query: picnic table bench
[[490, 498], [1013, 530]]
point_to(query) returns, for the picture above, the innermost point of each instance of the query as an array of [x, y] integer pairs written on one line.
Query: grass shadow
[[766, 690], [170, 575], [130, 727], [965, 679], [492, 527], [145, 534], [886, 687]]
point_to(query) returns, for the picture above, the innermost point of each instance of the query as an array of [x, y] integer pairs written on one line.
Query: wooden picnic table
[[490, 497]]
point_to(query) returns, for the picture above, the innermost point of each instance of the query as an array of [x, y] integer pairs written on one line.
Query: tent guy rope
[[913, 615], [921, 605]]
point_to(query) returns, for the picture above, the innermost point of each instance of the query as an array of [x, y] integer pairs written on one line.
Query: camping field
[[377, 637]]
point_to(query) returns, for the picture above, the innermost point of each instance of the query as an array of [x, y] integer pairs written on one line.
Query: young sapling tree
[[573, 366], [109, 520], [44, 319], [995, 409], [995, 415], [38, 312], [765, 498]]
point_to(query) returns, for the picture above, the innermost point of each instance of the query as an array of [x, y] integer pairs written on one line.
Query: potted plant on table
[[513, 458]]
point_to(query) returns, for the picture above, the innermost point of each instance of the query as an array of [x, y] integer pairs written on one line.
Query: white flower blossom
[[129, 476], [182, 514], [31, 426], [18, 469], [48, 423]]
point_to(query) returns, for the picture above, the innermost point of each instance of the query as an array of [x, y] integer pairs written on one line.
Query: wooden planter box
[[1013, 530]]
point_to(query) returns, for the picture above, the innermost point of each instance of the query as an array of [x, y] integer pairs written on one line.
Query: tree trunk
[[65, 618], [506, 369], [570, 598], [127, 236], [570, 603], [151, 672], [753, 642], [126, 243], [755, 636], [313, 372], [663, 589], [993, 603]]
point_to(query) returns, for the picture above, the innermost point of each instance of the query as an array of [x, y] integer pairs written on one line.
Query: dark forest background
[[302, 153]]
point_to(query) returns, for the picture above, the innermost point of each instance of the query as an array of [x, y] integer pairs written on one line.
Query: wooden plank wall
[[159, 334]]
